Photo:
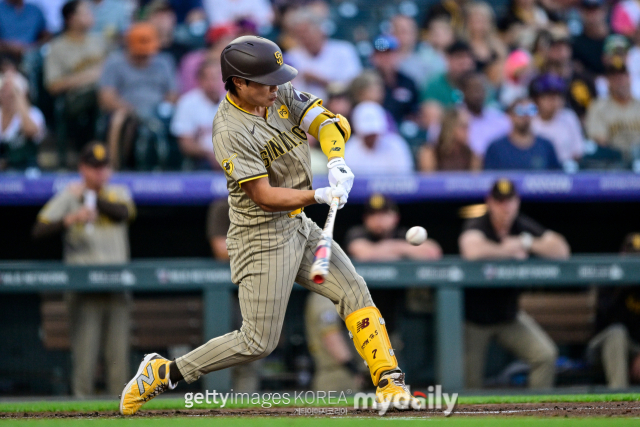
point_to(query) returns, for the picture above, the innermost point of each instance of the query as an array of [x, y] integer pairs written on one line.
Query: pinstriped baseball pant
[[264, 287]]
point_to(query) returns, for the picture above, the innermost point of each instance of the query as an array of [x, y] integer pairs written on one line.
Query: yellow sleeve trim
[[251, 178], [242, 109]]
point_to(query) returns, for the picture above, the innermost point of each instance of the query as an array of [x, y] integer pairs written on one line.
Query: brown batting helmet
[[257, 59]]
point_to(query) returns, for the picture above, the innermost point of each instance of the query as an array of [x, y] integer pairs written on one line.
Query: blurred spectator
[[625, 20], [518, 71], [51, 9], [589, 45], [373, 146], [486, 123], [452, 151], [189, 11], [335, 362], [22, 126], [72, 70], [93, 217], [521, 149], [319, 60], [112, 19], [380, 238], [400, 92], [444, 89], [217, 38], [421, 61], [617, 344], [193, 119], [615, 49], [557, 124], [369, 86], [135, 82], [22, 27], [615, 121], [481, 34], [161, 15], [224, 11], [581, 86], [504, 233], [451, 10], [521, 23]]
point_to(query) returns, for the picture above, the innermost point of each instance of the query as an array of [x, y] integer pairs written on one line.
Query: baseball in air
[[416, 235]]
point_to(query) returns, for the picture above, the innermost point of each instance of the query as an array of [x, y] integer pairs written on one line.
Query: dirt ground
[[597, 409]]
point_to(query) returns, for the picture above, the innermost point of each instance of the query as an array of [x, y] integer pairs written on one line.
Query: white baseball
[[416, 235]]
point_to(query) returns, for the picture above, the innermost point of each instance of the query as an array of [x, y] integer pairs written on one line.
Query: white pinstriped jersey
[[249, 147]]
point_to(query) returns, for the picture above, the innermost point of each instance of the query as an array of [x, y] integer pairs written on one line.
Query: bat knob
[[318, 279]]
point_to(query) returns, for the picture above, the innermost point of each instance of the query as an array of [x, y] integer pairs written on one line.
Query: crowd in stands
[[449, 85]]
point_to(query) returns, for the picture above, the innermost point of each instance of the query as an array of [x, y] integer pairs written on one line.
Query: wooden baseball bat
[[322, 254]]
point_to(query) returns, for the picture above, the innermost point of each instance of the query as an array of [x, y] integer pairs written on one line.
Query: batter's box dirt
[[593, 409]]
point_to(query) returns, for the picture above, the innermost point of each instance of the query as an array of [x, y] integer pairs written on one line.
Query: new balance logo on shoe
[[148, 379]]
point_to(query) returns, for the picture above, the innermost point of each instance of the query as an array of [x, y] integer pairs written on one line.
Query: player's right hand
[[326, 195]]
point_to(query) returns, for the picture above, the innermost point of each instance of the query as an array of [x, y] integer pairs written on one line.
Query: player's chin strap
[[366, 328]]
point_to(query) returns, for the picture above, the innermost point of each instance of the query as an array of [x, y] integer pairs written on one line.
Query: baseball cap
[[369, 118], [615, 44], [547, 83], [503, 189], [631, 243], [385, 43], [592, 4], [94, 154], [143, 39], [379, 203]]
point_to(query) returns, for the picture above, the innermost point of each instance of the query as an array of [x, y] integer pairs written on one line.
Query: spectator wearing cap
[[319, 60], [581, 89], [589, 45], [518, 71], [554, 122], [400, 93], [421, 61], [625, 20], [616, 346], [493, 314], [92, 216], [72, 69], [616, 48], [133, 84], [192, 122], [374, 149], [615, 121], [380, 238], [216, 38], [486, 122], [445, 89], [112, 19], [23, 126], [452, 151], [521, 149], [22, 27]]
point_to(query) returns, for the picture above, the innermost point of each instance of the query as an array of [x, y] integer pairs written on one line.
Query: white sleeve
[[38, 118], [182, 123], [577, 139], [350, 66], [402, 155]]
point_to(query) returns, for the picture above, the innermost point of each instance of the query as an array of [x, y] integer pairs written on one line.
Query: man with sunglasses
[[521, 149]]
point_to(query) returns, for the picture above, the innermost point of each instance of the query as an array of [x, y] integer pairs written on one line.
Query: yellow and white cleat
[[393, 393], [149, 381]]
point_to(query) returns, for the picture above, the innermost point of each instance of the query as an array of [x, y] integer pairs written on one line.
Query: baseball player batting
[[259, 137]]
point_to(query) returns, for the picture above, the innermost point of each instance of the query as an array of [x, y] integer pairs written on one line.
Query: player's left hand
[[340, 174], [326, 195]]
